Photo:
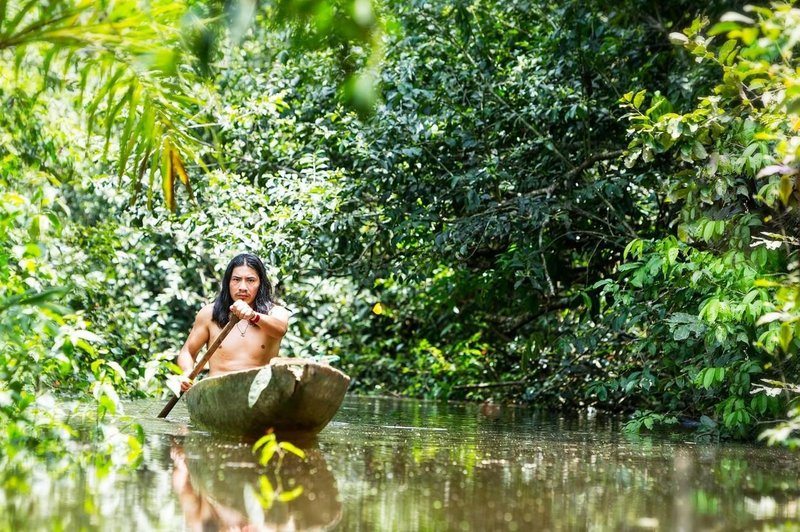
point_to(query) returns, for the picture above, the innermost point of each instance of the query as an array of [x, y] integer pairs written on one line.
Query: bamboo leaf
[[84, 75], [9, 30], [178, 168], [111, 115], [103, 91], [127, 140], [43, 19], [167, 177], [48, 59], [137, 181], [192, 154], [92, 107], [152, 177], [3, 5], [19, 57], [68, 62], [33, 298]]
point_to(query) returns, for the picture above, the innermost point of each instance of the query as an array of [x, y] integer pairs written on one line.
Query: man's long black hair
[[263, 302]]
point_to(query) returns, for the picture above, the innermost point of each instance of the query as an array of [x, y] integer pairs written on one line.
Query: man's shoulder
[[206, 312], [279, 311]]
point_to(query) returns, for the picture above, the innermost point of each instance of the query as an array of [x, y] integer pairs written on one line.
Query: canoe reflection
[[221, 486]]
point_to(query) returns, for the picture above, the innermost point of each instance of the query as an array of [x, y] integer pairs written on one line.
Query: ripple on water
[[411, 465]]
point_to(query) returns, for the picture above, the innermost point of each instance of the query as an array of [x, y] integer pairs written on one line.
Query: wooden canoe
[[289, 395]]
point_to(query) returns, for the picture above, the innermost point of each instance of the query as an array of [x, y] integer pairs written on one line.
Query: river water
[[388, 464]]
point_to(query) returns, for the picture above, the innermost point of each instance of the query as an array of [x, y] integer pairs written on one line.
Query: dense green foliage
[[549, 202]]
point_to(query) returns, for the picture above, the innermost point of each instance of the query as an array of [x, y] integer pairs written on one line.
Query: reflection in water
[[386, 464], [452, 467], [221, 486]]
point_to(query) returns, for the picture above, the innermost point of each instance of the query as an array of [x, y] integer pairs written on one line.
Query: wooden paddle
[[199, 366]]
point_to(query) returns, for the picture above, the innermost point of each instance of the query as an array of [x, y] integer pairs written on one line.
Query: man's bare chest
[[243, 340]]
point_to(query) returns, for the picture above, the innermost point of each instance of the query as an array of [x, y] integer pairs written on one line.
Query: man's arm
[[275, 323], [198, 337]]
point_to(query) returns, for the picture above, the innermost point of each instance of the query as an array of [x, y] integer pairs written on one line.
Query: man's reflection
[[221, 487], [201, 512]]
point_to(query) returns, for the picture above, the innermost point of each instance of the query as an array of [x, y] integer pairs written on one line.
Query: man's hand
[[178, 384], [186, 383], [242, 310]]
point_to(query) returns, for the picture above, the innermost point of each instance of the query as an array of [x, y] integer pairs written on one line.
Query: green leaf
[[267, 454], [287, 496], [263, 441], [672, 254], [285, 445], [167, 177], [750, 296], [708, 231], [723, 27], [711, 310], [699, 151], [786, 188], [117, 368], [127, 139], [786, 335], [639, 98], [726, 49], [708, 378], [769, 317], [33, 298], [678, 38], [682, 333], [12, 25]]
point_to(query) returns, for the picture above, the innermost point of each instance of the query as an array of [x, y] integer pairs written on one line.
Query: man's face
[[244, 284]]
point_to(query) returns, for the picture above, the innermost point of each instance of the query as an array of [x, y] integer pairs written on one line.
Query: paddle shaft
[[200, 365]]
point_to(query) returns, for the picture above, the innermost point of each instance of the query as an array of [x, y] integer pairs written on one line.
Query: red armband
[[256, 319]]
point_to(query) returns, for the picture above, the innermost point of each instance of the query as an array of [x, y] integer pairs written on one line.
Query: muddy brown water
[[387, 464]]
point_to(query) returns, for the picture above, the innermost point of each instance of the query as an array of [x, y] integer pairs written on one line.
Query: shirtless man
[[245, 292]]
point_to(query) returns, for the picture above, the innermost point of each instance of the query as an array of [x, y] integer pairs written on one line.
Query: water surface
[[387, 464]]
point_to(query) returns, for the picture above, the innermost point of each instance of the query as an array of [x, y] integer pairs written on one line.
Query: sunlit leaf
[[285, 445]]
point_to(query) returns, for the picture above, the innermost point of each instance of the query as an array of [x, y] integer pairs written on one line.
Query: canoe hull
[[289, 395]]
